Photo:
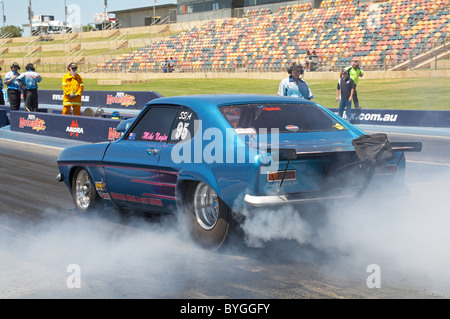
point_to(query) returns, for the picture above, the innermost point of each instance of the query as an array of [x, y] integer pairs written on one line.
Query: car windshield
[[284, 117]]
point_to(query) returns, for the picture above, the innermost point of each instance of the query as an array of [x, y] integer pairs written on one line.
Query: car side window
[[154, 126], [184, 126]]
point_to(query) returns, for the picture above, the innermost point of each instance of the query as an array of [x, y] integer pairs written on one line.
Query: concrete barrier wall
[[88, 129], [3, 118], [132, 100]]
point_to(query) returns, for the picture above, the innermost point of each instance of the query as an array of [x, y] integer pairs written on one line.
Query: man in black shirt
[[344, 94]]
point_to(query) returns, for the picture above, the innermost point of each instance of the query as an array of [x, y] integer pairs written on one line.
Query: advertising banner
[[87, 129], [3, 118], [133, 100], [399, 117]]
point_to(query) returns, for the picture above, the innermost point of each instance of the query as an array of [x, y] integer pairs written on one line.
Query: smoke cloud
[[130, 256], [117, 258], [407, 235]]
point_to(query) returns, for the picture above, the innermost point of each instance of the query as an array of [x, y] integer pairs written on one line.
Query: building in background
[[198, 10], [139, 17], [46, 24], [104, 21]]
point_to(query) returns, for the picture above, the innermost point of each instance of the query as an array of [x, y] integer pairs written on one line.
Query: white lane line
[[33, 144], [429, 163]]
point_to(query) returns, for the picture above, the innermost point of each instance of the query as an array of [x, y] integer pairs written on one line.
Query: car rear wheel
[[208, 216], [83, 191]]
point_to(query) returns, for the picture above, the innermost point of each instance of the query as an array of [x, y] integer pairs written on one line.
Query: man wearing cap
[[14, 88], [355, 72], [29, 82], [344, 94], [72, 84]]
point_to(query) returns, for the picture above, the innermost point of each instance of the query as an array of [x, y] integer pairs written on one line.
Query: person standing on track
[[72, 84], [14, 89], [355, 72], [29, 82], [294, 85], [344, 94], [2, 97]]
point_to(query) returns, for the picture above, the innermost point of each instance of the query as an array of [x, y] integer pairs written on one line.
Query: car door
[[131, 164], [171, 161]]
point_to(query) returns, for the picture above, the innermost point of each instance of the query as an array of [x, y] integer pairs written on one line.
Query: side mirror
[[124, 125]]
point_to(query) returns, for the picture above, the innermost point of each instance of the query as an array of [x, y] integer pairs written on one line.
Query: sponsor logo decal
[[32, 121], [271, 108], [60, 97], [121, 98], [113, 134], [292, 128], [74, 129], [137, 199]]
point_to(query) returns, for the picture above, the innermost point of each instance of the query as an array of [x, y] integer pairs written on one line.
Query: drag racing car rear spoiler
[[371, 150], [381, 142], [407, 146]]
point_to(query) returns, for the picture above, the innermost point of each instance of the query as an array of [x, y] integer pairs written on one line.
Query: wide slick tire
[[84, 194], [208, 216]]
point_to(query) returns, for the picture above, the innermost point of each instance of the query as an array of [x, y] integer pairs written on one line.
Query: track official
[[14, 88], [344, 94], [355, 72], [72, 84], [29, 82]]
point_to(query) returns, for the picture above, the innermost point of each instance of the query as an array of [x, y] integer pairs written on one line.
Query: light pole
[[65, 16], [30, 17], [105, 10], [3, 11]]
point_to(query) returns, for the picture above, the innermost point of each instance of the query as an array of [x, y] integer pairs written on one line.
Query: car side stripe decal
[[152, 183], [159, 196], [117, 166]]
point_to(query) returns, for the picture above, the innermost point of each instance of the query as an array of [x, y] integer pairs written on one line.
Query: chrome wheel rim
[[83, 189], [206, 206]]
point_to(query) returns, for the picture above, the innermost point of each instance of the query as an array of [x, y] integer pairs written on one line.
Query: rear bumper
[[278, 200], [322, 197]]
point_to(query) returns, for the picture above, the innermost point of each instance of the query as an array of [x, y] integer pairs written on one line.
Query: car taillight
[[278, 176]]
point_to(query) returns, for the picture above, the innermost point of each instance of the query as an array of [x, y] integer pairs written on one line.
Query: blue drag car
[[214, 154]]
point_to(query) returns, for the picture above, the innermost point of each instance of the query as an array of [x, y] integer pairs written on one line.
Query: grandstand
[[382, 35]]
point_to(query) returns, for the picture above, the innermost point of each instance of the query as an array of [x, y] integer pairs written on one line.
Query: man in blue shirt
[[14, 89], [29, 82], [294, 85], [2, 97], [171, 65]]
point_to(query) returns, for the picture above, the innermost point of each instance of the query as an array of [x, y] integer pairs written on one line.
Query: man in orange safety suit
[[72, 84]]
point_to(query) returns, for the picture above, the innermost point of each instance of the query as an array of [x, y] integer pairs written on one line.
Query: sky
[[16, 14]]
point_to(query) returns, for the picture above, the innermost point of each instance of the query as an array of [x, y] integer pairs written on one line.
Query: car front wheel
[[208, 216], [83, 191]]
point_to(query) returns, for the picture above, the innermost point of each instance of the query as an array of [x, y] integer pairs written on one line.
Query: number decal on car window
[[182, 130], [185, 116]]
